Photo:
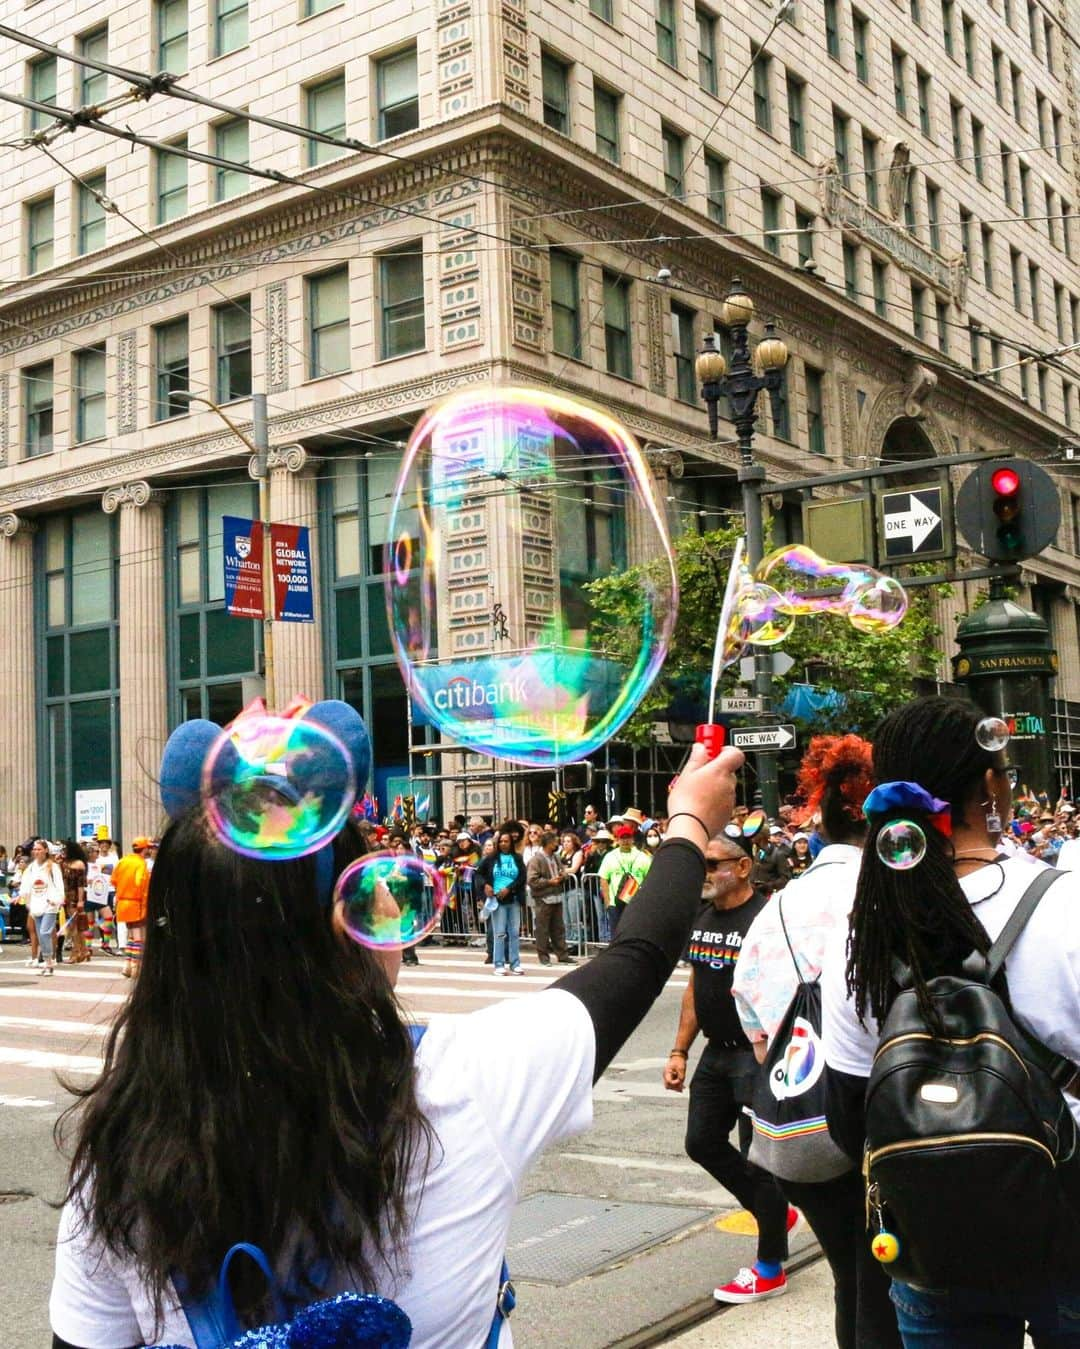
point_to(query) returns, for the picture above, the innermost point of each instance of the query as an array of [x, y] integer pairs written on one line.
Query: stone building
[[895, 183]]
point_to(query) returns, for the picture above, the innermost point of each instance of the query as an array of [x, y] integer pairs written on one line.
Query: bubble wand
[[710, 734]]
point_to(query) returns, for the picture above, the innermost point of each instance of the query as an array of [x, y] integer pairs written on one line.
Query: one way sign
[[914, 523]]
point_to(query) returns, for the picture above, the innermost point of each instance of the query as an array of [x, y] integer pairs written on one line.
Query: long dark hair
[[258, 1084], [922, 915]]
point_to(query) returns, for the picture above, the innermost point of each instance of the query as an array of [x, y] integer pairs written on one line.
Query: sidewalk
[[801, 1319]]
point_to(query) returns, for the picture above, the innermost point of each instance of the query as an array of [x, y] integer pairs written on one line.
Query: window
[[682, 342], [1033, 26], [666, 42], [313, 7], [860, 27], [1017, 282], [1007, 7], [1025, 382], [1041, 110], [401, 288], [781, 420], [41, 87], [998, 62], [1074, 314], [617, 326], [770, 220], [851, 271], [995, 359], [1015, 83], [987, 256], [978, 149], [716, 181], [933, 216], [870, 168], [1051, 216], [796, 91], [91, 213], [899, 81], [328, 323], [1058, 138], [1067, 393], [915, 9], [230, 26], [966, 237], [565, 305], [1059, 312], [804, 239], [232, 350], [706, 51], [1006, 175], [606, 116], [918, 306], [909, 203], [956, 129], [832, 30], [39, 234], [840, 143], [762, 91], [397, 93], [879, 273], [93, 84], [171, 369], [1034, 289], [1066, 228], [172, 35], [89, 391], [171, 177], [674, 142], [603, 9], [969, 46], [1040, 375], [974, 347], [941, 319], [815, 409], [37, 382], [325, 112], [948, 23], [1048, 31], [230, 142], [555, 82], [922, 85], [1025, 189]]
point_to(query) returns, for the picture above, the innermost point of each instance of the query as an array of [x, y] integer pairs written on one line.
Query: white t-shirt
[[1068, 858], [1043, 969], [498, 1086]]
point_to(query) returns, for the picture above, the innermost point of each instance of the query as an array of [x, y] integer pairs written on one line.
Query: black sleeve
[[625, 979], [845, 1111], [58, 1343]]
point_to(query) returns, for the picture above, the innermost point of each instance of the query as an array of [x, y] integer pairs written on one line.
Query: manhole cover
[[15, 1196], [557, 1238]]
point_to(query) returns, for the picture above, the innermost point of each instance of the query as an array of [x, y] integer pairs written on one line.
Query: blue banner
[[242, 554], [290, 550]]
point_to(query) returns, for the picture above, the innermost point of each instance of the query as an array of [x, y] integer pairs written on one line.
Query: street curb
[[702, 1310]]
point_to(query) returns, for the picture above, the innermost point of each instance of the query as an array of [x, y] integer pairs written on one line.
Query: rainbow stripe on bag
[[800, 1128]]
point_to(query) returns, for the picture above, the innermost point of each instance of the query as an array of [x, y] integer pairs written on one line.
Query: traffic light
[[1008, 509]]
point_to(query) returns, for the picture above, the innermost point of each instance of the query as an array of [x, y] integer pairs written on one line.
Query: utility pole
[[741, 386], [260, 434]]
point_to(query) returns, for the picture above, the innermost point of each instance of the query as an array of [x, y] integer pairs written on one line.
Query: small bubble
[[992, 733], [901, 845]]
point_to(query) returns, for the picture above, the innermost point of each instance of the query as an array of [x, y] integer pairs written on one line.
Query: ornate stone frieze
[[5, 412], [127, 382], [654, 313], [454, 55], [277, 337]]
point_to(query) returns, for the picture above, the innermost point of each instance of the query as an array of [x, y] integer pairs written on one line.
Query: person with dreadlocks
[[835, 778], [929, 918]]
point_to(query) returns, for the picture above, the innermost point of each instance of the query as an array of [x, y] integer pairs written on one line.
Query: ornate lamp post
[[741, 385]]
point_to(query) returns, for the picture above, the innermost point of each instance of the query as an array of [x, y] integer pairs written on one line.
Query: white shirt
[[498, 1086], [1043, 969], [1068, 858], [42, 888]]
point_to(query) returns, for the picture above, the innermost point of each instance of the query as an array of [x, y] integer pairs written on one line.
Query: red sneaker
[[794, 1218], [748, 1286]]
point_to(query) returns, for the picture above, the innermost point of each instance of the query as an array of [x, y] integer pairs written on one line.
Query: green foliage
[[872, 673]]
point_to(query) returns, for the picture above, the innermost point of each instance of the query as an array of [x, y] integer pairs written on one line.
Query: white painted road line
[[55, 994], [52, 1062], [101, 1028]]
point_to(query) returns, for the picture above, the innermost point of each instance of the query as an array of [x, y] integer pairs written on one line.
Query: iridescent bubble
[[901, 845], [388, 901], [810, 584], [761, 616], [878, 605], [992, 733], [277, 787], [513, 501]]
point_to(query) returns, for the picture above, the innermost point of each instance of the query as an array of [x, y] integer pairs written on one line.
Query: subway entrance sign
[[913, 523]]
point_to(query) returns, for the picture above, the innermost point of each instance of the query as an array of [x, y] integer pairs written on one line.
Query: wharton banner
[[242, 554], [290, 549]]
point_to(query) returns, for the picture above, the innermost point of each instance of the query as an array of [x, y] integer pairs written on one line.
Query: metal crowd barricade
[[585, 915]]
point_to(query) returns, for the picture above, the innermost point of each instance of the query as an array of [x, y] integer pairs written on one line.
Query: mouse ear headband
[[273, 786]]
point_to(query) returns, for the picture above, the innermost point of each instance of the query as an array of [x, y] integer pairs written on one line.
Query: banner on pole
[[242, 554], [290, 550]]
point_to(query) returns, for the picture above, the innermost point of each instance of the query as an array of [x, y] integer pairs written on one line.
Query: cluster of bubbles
[[277, 787], [388, 901], [528, 487], [795, 581]]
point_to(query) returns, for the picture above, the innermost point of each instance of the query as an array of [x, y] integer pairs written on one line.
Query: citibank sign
[[475, 700]]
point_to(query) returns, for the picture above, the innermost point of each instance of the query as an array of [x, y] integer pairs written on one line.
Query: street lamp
[[741, 384], [259, 445]]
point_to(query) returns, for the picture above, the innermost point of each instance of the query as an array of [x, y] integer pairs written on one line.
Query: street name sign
[[763, 737], [741, 705], [914, 523]]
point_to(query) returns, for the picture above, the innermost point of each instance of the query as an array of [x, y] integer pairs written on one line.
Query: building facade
[[555, 193]]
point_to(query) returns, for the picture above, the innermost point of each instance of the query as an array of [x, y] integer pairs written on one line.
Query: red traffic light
[[1005, 482]]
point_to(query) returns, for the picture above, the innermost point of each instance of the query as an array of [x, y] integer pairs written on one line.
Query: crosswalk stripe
[[101, 1028], [49, 1060], [54, 994]]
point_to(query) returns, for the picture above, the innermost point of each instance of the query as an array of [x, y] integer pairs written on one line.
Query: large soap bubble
[[388, 901], [277, 787], [509, 502], [810, 584]]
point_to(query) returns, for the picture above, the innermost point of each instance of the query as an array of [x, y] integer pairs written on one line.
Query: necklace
[[976, 855]]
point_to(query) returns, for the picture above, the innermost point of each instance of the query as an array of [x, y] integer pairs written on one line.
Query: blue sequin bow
[[348, 1321]]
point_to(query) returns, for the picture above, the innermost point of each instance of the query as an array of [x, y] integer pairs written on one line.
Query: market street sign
[[914, 523], [763, 737], [741, 705]]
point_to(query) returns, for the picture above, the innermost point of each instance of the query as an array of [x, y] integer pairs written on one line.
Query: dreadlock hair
[[836, 777], [920, 916]]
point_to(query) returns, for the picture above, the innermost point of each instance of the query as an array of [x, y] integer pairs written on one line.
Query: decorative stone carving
[[893, 403], [514, 16], [11, 524], [5, 427], [460, 321], [526, 280], [654, 317], [921, 384], [291, 458], [127, 391], [129, 494], [666, 463], [277, 337], [899, 177], [454, 55]]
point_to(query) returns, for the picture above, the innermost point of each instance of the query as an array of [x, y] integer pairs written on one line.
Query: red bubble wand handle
[[710, 734]]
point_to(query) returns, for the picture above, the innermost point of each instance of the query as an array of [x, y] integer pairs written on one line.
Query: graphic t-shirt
[[714, 947], [505, 872], [625, 873]]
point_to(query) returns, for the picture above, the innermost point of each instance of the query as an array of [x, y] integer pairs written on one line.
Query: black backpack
[[971, 1151]]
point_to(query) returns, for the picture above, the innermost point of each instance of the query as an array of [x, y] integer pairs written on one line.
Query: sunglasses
[[715, 863]]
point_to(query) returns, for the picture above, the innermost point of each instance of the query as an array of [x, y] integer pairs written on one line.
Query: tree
[[871, 673]]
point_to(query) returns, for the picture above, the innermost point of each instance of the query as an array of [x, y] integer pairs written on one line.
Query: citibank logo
[[463, 694]]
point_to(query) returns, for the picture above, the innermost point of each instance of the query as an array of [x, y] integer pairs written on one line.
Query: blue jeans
[[966, 1319], [46, 925], [505, 926]]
